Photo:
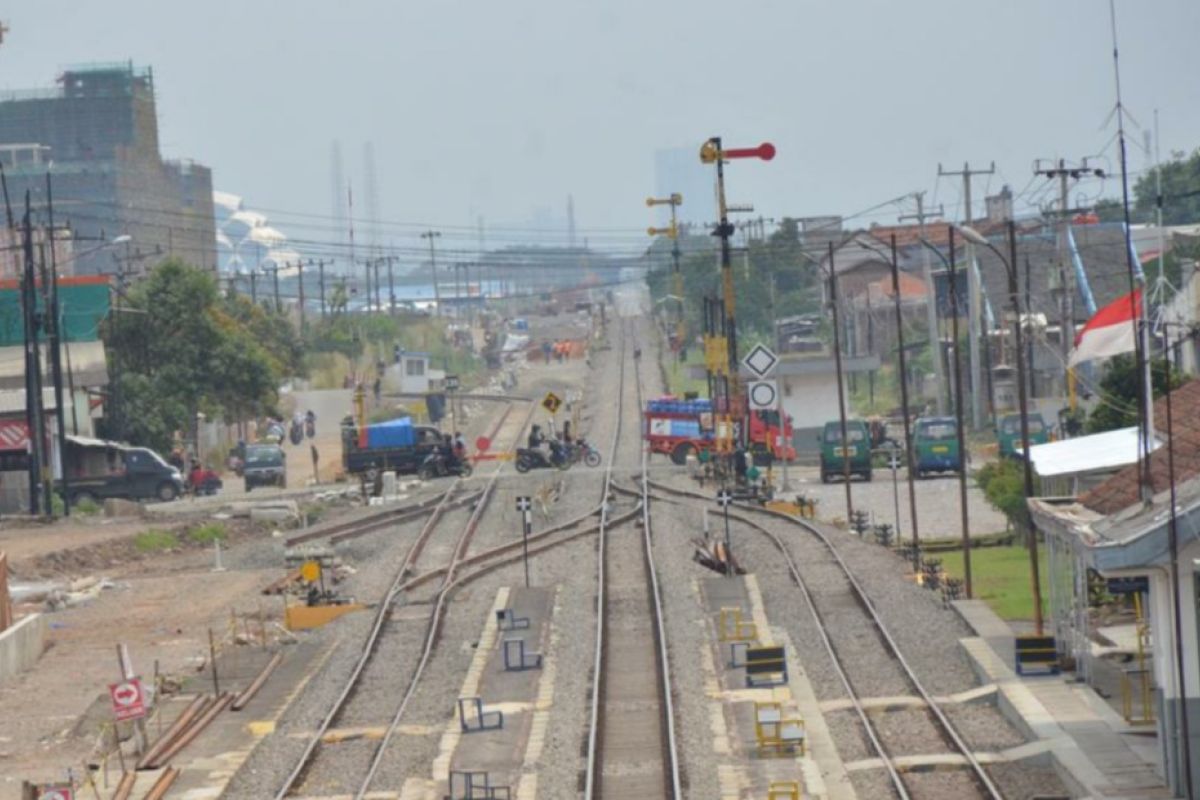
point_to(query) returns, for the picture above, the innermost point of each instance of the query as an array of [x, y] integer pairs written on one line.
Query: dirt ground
[[161, 605]]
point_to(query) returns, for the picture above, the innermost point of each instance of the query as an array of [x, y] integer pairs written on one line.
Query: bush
[[154, 540], [1003, 484], [87, 507], [207, 533]]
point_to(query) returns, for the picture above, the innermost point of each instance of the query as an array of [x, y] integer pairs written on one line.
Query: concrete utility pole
[[437, 295], [300, 284], [391, 286], [978, 327], [931, 315], [1066, 275]]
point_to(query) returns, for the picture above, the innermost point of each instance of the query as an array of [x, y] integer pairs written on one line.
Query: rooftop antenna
[[1140, 321]]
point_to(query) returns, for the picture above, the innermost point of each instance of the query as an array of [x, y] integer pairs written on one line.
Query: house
[[413, 373], [808, 390], [1149, 547]]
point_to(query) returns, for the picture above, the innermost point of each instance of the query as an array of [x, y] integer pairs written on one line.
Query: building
[[1113, 537], [99, 127], [414, 374], [808, 389]]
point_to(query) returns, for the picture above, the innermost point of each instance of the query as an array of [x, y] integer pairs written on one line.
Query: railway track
[[631, 746], [400, 584], [824, 606]]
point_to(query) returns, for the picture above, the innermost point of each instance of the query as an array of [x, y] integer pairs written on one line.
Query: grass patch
[[1000, 577], [154, 540], [207, 533], [86, 508]]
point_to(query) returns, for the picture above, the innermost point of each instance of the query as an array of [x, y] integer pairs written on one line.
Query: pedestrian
[[316, 458], [546, 349], [377, 388]]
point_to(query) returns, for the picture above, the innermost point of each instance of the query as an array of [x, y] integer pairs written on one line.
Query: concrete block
[[390, 484], [272, 514], [21, 646], [116, 507]]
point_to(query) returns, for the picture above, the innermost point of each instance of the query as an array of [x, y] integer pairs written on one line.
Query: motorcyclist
[[446, 452], [310, 423], [460, 447], [536, 437]]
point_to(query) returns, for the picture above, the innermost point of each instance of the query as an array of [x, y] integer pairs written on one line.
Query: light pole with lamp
[[1010, 267], [956, 365]]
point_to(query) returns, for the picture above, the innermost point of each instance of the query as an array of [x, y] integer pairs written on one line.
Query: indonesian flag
[[1110, 332]]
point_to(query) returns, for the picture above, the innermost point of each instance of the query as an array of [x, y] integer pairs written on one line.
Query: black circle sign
[[762, 395]]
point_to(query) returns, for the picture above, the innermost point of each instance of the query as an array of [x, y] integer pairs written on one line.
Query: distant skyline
[[502, 110]]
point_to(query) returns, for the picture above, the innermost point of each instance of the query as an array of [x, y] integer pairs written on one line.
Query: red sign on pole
[[56, 792], [482, 444], [128, 699]]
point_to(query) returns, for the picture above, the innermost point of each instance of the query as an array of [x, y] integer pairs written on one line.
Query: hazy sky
[[501, 108]]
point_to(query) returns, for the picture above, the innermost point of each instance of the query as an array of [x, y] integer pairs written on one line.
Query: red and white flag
[[1110, 331]]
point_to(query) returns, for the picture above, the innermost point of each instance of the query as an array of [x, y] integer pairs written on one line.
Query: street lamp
[[958, 409], [1010, 267]]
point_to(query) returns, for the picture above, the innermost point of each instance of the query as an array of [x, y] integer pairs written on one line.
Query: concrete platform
[[1079, 734], [508, 754], [742, 771]]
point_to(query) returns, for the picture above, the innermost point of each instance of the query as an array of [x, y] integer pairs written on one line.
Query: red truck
[[678, 427]]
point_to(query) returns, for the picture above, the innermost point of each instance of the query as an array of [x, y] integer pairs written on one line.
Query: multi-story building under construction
[[97, 133]]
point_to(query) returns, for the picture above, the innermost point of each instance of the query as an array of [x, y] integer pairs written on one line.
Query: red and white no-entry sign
[[56, 793], [128, 700]]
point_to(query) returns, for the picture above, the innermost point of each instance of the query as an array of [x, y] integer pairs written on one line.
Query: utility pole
[[320, 282], [977, 330], [378, 297], [275, 281], [254, 286], [300, 284], [1066, 282], [837, 359], [33, 371], [437, 295], [908, 441], [931, 315], [391, 286], [55, 343], [958, 416]]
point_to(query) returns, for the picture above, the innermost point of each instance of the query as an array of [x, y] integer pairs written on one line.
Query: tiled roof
[[1121, 490]]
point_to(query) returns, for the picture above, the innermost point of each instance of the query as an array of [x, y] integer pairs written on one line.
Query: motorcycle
[[435, 466], [582, 450], [536, 458]]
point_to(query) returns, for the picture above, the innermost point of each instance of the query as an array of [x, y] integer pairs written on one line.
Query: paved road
[[937, 502]]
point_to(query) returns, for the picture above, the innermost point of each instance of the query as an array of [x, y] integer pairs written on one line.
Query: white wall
[[812, 400]]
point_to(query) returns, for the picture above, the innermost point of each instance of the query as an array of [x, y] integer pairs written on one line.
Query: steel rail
[[595, 716], [670, 745], [381, 615], [433, 629], [864, 600]]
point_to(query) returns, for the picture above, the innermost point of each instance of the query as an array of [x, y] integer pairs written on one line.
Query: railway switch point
[[507, 620], [734, 629], [472, 718], [765, 666], [470, 785], [783, 790], [516, 659]]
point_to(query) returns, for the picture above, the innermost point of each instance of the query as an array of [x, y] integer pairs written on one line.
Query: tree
[[1119, 389], [1180, 190], [174, 351]]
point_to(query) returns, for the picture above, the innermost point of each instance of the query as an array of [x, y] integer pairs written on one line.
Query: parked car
[[265, 465], [835, 453], [98, 470], [935, 440], [1008, 433]]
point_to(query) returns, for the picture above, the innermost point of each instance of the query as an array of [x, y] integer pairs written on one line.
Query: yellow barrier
[[303, 618], [783, 790], [733, 628]]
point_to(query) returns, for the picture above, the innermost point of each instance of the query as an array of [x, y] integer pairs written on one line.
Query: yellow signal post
[[674, 201], [711, 152]]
